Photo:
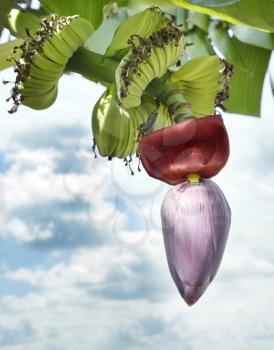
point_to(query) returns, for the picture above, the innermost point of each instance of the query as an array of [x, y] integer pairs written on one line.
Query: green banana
[[147, 71], [39, 73], [54, 55], [201, 80], [42, 101], [105, 130], [43, 60], [112, 126], [147, 61], [116, 130], [71, 38], [160, 54], [38, 83], [142, 24], [82, 28], [122, 140], [29, 91], [61, 46]]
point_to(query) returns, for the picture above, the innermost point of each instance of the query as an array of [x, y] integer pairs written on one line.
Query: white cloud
[[29, 233], [101, 298]]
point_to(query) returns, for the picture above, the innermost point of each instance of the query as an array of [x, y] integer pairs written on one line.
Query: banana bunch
[[148, 59], [142, 24], [44, 58], [116, 129], [204, 82]]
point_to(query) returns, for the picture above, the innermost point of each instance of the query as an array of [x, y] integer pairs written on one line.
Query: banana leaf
[[90, 10], [213, 3], [253, 37], [255, 13], [225, 45], [101, 38], [247, 85]]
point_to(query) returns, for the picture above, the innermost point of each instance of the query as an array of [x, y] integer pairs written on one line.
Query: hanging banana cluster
[[149, 58], [147, 52], [126, 111], [44, 58], [204, 82], [157, 118], [116, 130], [195, 214]]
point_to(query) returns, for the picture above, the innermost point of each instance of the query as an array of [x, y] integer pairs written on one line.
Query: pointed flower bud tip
[[195, 221]]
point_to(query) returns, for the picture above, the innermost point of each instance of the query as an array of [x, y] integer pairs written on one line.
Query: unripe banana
[[163, 119], [61, 46], [42, 101], [36, 72], [30, 91], [54, 55], [71, 38], [110, 125], [39, 86], [204, 82], [81, 27], [146, 61], [142, 24], [116, 129], [43, 60]]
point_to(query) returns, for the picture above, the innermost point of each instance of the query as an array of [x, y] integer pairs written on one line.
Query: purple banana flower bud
[[195, 221]]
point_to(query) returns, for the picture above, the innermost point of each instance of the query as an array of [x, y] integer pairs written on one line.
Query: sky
[[82, 261]]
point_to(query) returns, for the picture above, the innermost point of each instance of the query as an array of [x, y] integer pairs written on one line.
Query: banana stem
[[93, 66], [173, 97]]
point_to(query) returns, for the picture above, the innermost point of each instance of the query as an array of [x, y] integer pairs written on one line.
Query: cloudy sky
[[82, 260]]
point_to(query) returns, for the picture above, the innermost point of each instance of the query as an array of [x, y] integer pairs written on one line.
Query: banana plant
[[168, 71]]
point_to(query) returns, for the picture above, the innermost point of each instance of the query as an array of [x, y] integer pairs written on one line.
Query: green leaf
[[90, 10], [101, 38], [246, 86], [225, 45], [5, 7], [19, 20], [198, 19], [200, 45], [6, 52], [213, 3], [254, 37], [256, 13], [181, 17], [200, 80]]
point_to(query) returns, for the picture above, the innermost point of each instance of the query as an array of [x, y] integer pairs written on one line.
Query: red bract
[[196, 145]]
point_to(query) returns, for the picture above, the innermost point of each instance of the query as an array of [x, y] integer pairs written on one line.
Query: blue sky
[[81, 253]]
